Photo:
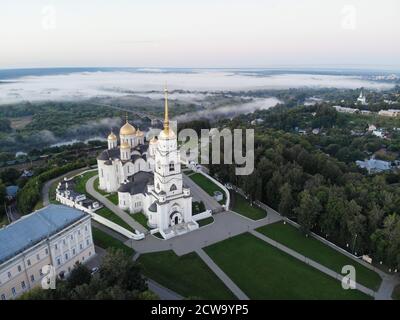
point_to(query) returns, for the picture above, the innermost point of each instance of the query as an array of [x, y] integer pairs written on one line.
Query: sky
[[186, 33]]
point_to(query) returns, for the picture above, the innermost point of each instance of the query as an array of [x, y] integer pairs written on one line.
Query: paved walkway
[[199, 194], [388, 284], [222, 275], [310, 262], [114, 208], [226, 224]]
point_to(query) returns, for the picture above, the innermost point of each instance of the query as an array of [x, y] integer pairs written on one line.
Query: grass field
[[80, 181], [206, 221], [291, 237], [207, 185], [105, 241], [141, 218], [113, 197], [187, 275], [243, 207], [264, 272], [108, 214]]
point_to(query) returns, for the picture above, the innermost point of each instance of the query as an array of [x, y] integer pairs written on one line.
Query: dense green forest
[[317, 190], [341, 135]]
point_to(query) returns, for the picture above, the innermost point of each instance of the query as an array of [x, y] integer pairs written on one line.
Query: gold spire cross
[[166, 119]]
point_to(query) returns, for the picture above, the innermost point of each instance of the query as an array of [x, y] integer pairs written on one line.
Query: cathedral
[[147, 176]]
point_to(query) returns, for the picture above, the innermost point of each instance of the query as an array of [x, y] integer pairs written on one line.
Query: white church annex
[[148, 178]]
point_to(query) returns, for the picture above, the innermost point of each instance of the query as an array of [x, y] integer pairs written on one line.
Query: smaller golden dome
[[127, 129], [112, 136], [125, 145], [153, 140], [139, 133]]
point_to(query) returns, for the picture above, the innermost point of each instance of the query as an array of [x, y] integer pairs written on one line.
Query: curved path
[[114, 208], [47, 184]]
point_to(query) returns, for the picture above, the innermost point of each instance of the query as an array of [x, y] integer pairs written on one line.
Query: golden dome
[[127, 129], [125, 145], [112, 136], [139, 133], [167, 133], [153, 140]]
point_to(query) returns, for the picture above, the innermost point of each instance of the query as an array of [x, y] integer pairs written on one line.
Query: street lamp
[[354, 243]]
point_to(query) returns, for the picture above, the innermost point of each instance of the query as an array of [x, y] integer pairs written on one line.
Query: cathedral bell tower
[[167, 177]]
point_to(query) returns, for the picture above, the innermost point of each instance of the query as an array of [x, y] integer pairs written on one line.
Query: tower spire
[[126, 116], [166, 119]]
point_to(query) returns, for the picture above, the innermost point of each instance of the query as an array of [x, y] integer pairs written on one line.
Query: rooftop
[[33, 228]]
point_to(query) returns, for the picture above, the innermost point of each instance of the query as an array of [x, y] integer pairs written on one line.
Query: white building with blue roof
[[55, 235]]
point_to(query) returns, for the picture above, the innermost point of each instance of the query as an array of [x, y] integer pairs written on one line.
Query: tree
[[287, 202], [2, 198], [79, 275], [119, 278], [10, 175], [117, 269], [308, 211]]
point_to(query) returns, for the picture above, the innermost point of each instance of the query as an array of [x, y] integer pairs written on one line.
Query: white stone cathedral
[[148, 178]]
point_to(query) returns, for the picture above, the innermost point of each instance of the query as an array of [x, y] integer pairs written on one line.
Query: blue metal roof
[[33, 228], [12, 191]]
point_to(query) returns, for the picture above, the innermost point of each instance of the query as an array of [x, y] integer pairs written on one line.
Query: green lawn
[[108, 214], [207, 185], [206, 221], [243, 207], [321, 253], [105, 241], [396, 293], [264, 272], [80, 181], [187, 275], [113, 197], [141, 218]]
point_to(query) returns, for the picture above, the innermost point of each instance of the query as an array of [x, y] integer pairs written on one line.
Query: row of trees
[[30, 194], [322, 194], [119, 278], [344, 135]]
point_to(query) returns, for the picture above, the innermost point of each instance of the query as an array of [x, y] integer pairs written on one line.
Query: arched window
[[173, 188], [171, 166]]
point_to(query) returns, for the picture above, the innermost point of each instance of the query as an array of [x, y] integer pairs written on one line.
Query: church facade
[[147, 177]]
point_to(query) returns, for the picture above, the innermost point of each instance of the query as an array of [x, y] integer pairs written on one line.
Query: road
[[47, 185], [12, 213], [226, 225]]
